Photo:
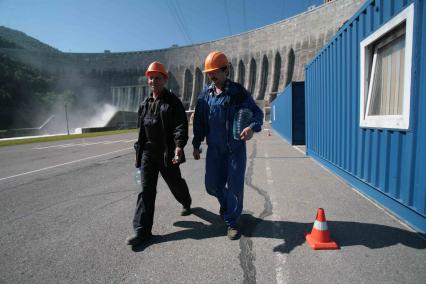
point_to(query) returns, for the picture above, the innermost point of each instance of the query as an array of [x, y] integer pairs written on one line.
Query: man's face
[[156, 81], [218, 77]]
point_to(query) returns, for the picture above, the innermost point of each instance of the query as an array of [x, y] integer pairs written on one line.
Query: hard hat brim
[[212, 69], [154, 71]]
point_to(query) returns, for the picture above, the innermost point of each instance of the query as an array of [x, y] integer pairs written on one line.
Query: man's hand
[[196, 153], [246, 134], [178, 155]]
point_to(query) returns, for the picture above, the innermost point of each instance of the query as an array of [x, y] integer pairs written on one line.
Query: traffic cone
[[319, 238]]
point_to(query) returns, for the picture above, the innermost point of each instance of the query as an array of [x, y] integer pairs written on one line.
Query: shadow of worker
[[292, 233], [196, 230]]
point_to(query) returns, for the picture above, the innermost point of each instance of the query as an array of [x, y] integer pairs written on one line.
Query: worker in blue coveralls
[[226, 156]]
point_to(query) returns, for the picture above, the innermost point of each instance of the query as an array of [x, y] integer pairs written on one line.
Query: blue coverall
[[226, 157]]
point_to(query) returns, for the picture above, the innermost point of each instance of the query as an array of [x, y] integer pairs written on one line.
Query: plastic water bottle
[[242, 119], [138, 179]]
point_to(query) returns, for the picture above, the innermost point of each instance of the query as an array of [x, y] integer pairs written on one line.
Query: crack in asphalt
[[247, 255], [247, 258], [113, 202]]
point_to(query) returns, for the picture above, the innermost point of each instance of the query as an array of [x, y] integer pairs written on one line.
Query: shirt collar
[[151, 96], [225, 88]]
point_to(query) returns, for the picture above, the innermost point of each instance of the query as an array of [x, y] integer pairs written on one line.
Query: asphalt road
[[66, 210]]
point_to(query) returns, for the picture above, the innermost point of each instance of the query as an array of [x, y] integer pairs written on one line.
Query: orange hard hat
[[156, 67], [214, 61]]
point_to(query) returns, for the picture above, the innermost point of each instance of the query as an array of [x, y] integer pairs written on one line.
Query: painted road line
[[64, 164], [85, 144]]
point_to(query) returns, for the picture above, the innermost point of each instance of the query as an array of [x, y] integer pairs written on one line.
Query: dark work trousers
[[152, 164]]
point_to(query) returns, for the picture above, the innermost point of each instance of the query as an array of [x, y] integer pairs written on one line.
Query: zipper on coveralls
[[228, 110]]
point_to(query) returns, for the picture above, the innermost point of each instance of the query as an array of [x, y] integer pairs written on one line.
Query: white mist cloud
[[101, 117]]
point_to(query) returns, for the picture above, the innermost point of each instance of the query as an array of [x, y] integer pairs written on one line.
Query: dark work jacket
[[174, 127]]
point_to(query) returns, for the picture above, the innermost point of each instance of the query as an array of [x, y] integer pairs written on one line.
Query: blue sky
[[132, 25]]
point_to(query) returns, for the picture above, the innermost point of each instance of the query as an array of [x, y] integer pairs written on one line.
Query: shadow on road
[[344, 233]]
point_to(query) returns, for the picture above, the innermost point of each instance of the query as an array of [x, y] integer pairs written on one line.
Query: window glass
[[387, 90]]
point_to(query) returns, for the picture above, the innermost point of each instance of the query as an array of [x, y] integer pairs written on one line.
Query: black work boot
[[138, 239], [186, 211]]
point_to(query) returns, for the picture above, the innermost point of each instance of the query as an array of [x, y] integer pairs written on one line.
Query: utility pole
[[66, 116]]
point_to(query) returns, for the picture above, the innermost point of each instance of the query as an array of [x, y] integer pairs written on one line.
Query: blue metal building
[[365, 95], [288, 113]]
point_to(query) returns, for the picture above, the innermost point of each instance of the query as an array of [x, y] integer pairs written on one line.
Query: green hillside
[[7, 44], [10, 38], [26, 92]]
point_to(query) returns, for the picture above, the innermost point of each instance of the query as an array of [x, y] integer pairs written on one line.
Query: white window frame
[[386, 121]]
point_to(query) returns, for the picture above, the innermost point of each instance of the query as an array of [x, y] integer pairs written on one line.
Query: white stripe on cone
[[321, 226]]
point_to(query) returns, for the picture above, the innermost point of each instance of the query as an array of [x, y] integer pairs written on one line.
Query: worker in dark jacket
[[227, 116], [163, 133]]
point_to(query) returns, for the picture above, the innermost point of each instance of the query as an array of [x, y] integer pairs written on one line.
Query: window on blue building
[[386, 74]]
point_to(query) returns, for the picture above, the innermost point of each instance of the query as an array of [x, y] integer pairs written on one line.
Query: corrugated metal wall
[[388, 165], [288, 113]]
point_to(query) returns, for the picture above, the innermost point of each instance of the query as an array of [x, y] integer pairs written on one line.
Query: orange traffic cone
[[319, 238]]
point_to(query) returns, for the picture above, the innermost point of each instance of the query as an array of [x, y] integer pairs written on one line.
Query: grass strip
[[62, 137]]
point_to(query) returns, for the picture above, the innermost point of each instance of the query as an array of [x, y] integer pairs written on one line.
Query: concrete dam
[[264, 60]]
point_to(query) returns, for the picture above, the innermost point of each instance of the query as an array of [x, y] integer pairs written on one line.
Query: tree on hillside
[[24, 92], [4, 43]]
